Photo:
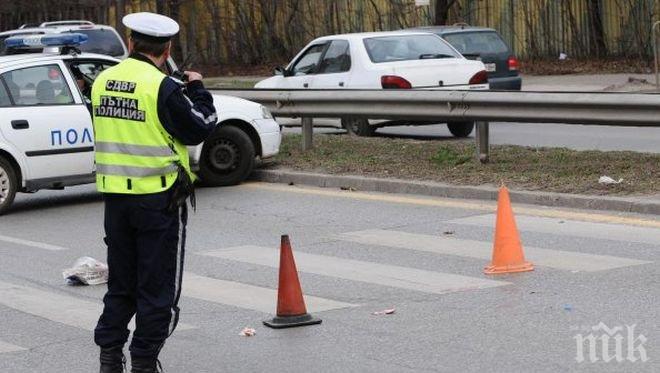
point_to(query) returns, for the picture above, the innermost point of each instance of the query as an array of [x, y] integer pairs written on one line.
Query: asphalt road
[[357, 253], [606, 138]]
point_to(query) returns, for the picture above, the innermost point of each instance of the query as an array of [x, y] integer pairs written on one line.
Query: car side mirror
[[279, 70]]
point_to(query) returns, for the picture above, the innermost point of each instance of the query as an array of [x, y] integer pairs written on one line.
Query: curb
[[641, 205]]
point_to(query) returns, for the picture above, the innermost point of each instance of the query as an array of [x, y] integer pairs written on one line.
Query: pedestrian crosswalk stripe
[[8, 347], [55, 307], [35, 244], [246, 296], [566, 260], [623, 233], [355, 270]]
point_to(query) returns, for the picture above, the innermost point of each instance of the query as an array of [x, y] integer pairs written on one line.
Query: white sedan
[[381, 60]]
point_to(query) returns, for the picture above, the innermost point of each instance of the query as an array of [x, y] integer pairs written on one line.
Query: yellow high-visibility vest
[[134, 152]]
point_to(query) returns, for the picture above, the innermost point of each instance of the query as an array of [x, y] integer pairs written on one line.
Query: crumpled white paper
[[608, 180], [247, 332], [86, 271]]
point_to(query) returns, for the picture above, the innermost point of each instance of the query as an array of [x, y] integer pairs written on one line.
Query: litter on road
[[248, 332], [86, 271], [384, 312]]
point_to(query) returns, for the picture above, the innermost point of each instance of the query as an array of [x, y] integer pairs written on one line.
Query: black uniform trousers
[[145, 259]]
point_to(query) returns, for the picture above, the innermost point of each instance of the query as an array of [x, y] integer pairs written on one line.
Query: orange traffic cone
[[508, 254], [291, 310]]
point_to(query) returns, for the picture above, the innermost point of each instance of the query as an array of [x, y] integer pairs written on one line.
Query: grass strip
[[453, 161]]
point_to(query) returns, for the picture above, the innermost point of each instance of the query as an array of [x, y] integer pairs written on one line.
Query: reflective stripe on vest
[[133, 171], [134, 152], [130, 149]]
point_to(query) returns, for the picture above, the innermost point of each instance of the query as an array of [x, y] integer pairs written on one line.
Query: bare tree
[[120, 11], [442, 8], [598, 48], [174, 7]]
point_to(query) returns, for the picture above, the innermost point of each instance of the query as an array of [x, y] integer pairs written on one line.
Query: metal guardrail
[[616, 109]]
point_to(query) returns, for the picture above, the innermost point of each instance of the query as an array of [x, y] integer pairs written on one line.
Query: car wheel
[[358, 126], [8, 185], [227, 157], [460, 129]]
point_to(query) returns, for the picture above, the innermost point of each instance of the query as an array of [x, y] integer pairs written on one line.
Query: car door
[[334, 71], [302, 72], [47, 121]]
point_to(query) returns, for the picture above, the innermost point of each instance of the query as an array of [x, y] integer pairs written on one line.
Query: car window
[[85, 72], [407, 47], [308, 62], [90, 69], [39, 85], [477, 42], [336, 59], [4, 95], [101, 41]]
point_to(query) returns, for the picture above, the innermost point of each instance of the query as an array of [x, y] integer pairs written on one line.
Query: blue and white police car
[[46, 134]]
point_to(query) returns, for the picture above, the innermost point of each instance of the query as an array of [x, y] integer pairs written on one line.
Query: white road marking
[[246, 296], [624, 233], [566, 260], [8, 347], [35, 244], [355, 270], [63, 309]]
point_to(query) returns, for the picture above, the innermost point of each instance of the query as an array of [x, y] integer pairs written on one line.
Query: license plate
[[490, 67]]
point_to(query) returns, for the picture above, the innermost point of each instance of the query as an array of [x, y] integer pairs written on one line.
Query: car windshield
[[479, 42], [102, 42], [407, 47]]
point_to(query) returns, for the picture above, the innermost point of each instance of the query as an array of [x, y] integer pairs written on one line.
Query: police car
[[46, 134], [102, 39]]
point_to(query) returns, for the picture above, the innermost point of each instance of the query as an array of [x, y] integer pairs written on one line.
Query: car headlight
[[265, 113]]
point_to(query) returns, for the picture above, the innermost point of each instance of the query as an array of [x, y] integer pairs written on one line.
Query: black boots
[[113, 360], [145, 365]]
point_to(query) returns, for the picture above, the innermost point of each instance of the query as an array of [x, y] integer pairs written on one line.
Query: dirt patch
[[453, 161], [571, 66]]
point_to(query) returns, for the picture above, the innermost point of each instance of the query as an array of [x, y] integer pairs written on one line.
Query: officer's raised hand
[[192, 76]]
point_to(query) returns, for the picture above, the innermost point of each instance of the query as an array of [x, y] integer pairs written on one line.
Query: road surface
[[357, 253]]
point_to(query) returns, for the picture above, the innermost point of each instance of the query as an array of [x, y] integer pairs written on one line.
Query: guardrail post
[[307, 133], [483, 143], [654, 32]]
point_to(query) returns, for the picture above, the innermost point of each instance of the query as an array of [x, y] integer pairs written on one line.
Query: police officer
[[143, 121]]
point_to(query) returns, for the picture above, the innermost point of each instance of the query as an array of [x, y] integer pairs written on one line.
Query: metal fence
[[482, 107]]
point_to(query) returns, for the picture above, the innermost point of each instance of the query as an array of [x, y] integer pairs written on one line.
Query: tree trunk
[[442, 11], [175, 11], [598, 47], [191, 33], [160, 7], [120, 11]]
